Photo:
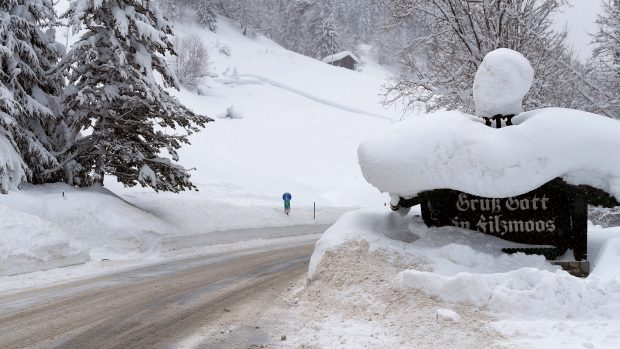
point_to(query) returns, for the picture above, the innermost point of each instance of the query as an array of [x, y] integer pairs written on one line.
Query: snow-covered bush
[[192, 60], [603, 75], [225, 50], [232, 114], [605, 217], [438, 68]]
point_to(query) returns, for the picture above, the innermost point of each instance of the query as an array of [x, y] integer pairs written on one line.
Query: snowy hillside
[[301, 123]]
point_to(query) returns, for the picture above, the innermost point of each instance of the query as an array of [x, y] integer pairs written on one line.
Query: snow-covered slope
[[302, 121]]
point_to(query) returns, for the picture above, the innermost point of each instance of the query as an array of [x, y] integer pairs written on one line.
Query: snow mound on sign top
[[455, 151], [29, 243], [502, 80]]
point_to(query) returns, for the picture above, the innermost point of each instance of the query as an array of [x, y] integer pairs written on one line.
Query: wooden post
[[314, 210]]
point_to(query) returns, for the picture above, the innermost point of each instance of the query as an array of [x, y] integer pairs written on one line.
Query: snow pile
[[109, 226], [502, 80], [28, 243], [446, 251], [540, 293], [452, 150], [531, 303], [448, 314], [365, 307], [137, 227]]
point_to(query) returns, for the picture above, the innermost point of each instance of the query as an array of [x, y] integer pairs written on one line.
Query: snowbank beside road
[[56, 225], [447, 250], [111, 227], [528, 301], [28, 243], [452, 150]]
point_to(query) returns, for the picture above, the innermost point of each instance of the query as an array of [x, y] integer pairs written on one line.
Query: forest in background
[[76, 114]]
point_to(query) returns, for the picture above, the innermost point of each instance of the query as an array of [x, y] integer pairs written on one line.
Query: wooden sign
[[552, 215]]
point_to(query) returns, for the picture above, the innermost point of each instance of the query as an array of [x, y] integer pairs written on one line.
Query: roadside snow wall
[[29, 243]]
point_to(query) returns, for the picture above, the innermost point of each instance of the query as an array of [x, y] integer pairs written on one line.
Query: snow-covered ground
[[399, 283], [301, 122], [413, 286]]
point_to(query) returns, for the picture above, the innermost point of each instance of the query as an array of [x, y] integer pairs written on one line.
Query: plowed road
[[157, 306]]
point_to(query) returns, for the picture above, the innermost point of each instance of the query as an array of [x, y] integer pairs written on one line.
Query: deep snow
[[456, 151], [502, 80], [302, 121], [523, 301], [529, 302]]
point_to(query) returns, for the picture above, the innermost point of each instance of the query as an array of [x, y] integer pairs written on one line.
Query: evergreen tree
[[295, 27], [113, 94], [27, 95], [605, 67], [170, 9], [326, 37], [206, 17]]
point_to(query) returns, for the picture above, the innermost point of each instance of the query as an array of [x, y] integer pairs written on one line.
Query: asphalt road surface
[[157, 306]]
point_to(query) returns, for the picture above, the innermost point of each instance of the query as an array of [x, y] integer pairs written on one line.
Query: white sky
[[579, 19]]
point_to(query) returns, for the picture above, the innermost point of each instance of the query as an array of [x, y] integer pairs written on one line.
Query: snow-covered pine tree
[[171, 9], [130, 119], [192, 60], [366, 24], [27, 95], [606, 59], [326, 36], [295, 27], [206, 16]]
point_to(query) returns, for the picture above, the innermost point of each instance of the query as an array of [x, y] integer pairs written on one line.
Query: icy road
[[158, 306]]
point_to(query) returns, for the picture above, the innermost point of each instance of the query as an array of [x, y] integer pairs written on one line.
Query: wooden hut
[[345, 59]]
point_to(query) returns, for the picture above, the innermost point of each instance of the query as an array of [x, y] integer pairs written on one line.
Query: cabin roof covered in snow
[[339, 56]]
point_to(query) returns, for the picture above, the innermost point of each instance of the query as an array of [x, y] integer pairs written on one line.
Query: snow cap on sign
[[502, 80]]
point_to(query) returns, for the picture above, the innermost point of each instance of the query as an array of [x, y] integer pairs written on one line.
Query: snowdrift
[[60, 225], [453, 150], [29, 243], [527, 301]]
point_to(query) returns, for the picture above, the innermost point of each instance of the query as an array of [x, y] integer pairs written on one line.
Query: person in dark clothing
[[287, 202]]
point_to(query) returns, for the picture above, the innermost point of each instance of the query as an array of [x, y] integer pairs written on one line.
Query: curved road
[[157, 306]]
